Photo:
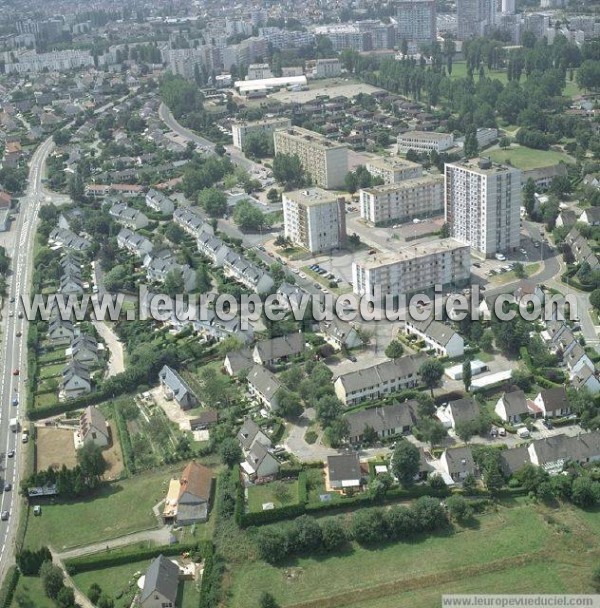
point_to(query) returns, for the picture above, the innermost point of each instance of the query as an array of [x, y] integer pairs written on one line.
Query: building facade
[[241, 130], [393, 170], [424, 141]]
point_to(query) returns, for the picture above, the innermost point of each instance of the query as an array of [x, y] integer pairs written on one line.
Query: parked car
[[7, 487], [37, 510], [4, 516], [352, 358], [11, 454], [547, 423]]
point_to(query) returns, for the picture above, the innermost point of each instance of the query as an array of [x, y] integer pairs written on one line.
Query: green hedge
[[526, 358], [9, 584], [77, 565], [302, 488], [125, 439]]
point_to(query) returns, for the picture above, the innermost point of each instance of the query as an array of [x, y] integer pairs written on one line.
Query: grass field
[[509, 277], [117, 509], [54, 447], [490, 557], [527, 158], [258, 495], [30, 594]]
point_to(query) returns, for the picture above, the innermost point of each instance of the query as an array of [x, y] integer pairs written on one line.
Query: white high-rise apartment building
[[412, 269], [241, 130], [325, 161], [415, 22], [483, 204], [401, 202], [314, 219], [393, 169]]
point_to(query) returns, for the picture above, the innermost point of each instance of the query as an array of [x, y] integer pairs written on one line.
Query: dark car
[[547, 424], [352, 358], [7, 487]]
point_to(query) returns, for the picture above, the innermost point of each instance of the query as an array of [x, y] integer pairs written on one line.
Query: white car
[[500, 257]]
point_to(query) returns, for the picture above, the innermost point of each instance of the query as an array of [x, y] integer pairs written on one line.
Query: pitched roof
[[92, 420], [264, 381], [179, 387], [240, 360], [344, 467], [555, 398], [459, 460], [162, 576], [464, 410], [561, 447], [247, 434], [257, 454], [512, 461], [397, 415], [284, 346], [515, 403], [196, 479]]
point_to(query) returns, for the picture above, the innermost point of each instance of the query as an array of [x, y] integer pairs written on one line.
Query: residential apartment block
[[325, 161], [444, 262], [416, 22], [483, 204], [327, 68], [424, 141], [393, 169], [241, 130], [413, 198], [314, 219]]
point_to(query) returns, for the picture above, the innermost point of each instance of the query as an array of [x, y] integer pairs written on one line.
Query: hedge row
[[88, 563], [126, 447], [207, 576], [8, 586], [47, 411]]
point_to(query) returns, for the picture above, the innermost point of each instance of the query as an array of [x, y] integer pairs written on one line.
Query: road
[[13, 350]]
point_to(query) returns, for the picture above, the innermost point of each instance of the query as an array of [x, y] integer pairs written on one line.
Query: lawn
[[46, 398], [527, 158], [116, 509], [509, 277], [325, 282], [459, 70], [51, 371], [279, 493], [29, 593], [502, 541]]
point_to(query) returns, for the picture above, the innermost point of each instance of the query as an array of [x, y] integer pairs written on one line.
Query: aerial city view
[[299, 303]]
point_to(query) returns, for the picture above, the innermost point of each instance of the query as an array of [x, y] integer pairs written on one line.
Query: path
[[116, 363], [81, 599]]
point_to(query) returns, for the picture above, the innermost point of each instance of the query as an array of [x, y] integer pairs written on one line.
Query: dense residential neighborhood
[[300, 302]]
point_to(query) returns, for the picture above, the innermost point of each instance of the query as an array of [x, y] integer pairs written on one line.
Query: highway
[[13, 351]]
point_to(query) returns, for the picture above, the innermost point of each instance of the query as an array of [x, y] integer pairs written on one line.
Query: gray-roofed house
[[438, 336], [577, 358], [238, 361], [511, 406], [378, 380], [132, 218], [175, 387], [552, 402], [75, 380], [84, 349], [70, 284], [552, 453], [159, 202], [268, 352], [260, 465], [60, 332], [263, 386], [340, 334], [513, 460], [344, 472], [135, 243], [566, 219], [161, 583], [69, 240], [458, 463], [93, 427], [212, 247], [251, 432], [191, 221], [386, 421], [586, 378], [457, 412], [591, 216]]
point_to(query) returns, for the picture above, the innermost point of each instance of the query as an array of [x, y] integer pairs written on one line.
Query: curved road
[[13, 350]]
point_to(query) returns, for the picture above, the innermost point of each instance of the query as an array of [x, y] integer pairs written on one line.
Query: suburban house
[[550, 403], [457, 463], [160, 267], [386, 421], [205, 420], [586, 378], [60, 332], [552, 453], [581, 250], [288, 293], [212, 247], [188, 498], [437, 336], [260, 465], [159, 202], [161, 583], [513, 460], [175, 387], [93, 427], [526, 289], [276, 350], [566, 219], [263, 386], [63, 237], [340, 334], [70, 284], [343, 472], [238, 361], [246, 273], [211, 327], [576, 358], [457, 412], [191, 221], [135, 243], [251, 432], [84, 349], [132, 218], [511, 406], [591, 216], [378, 380], [75, 380]]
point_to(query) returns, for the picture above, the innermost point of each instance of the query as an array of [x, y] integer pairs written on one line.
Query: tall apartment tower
[[474, 16], [314, 219], [416, 22], [483, 205]]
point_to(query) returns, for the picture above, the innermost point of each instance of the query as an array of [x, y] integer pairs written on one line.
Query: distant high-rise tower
[[483, 205], [474, 16], [508, 6], [416, 22]]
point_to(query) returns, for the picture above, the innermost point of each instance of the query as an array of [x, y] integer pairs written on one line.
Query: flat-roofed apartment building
[[393, 169], [314, 219], [325, 161], [424, 141], [241, 130], [413, 198], [414, 268], [483, 205]]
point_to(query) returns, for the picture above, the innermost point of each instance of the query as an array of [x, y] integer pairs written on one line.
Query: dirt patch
[[55, 447], [113, 455]]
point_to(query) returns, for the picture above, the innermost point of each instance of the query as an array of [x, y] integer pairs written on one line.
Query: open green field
[[489, 557], [272, 492], [510, 276], [118, 508], [527, 158], [30, 594]]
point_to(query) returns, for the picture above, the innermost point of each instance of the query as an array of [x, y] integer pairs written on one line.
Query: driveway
[[116, 363]]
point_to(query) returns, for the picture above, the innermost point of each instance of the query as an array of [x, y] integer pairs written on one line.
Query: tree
[[174, 283], [220, 149], [431, 372], [247, 216], [288, 171], [30, 562], [394, 350], [368, 527], [519, 270], [174, 233], [595, 299], [459, 508], [505, 142], [76, 188], [471, 147], [328, 408], [52, 579], [230, 452], [272, 543], [337, 432], [588, 75], [529, 197], [486, 341], [432, 431], [585, 492], [267, 600], [334, 534], [273, 195], [304, 535], [91, 460], [445, 230], [467, 374], [406, 462], [105, 602], [213, 201], [469, 484], [289, 404], [65, 598], [94, 593]]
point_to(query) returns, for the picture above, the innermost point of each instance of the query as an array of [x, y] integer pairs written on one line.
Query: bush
[[9, 584]]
